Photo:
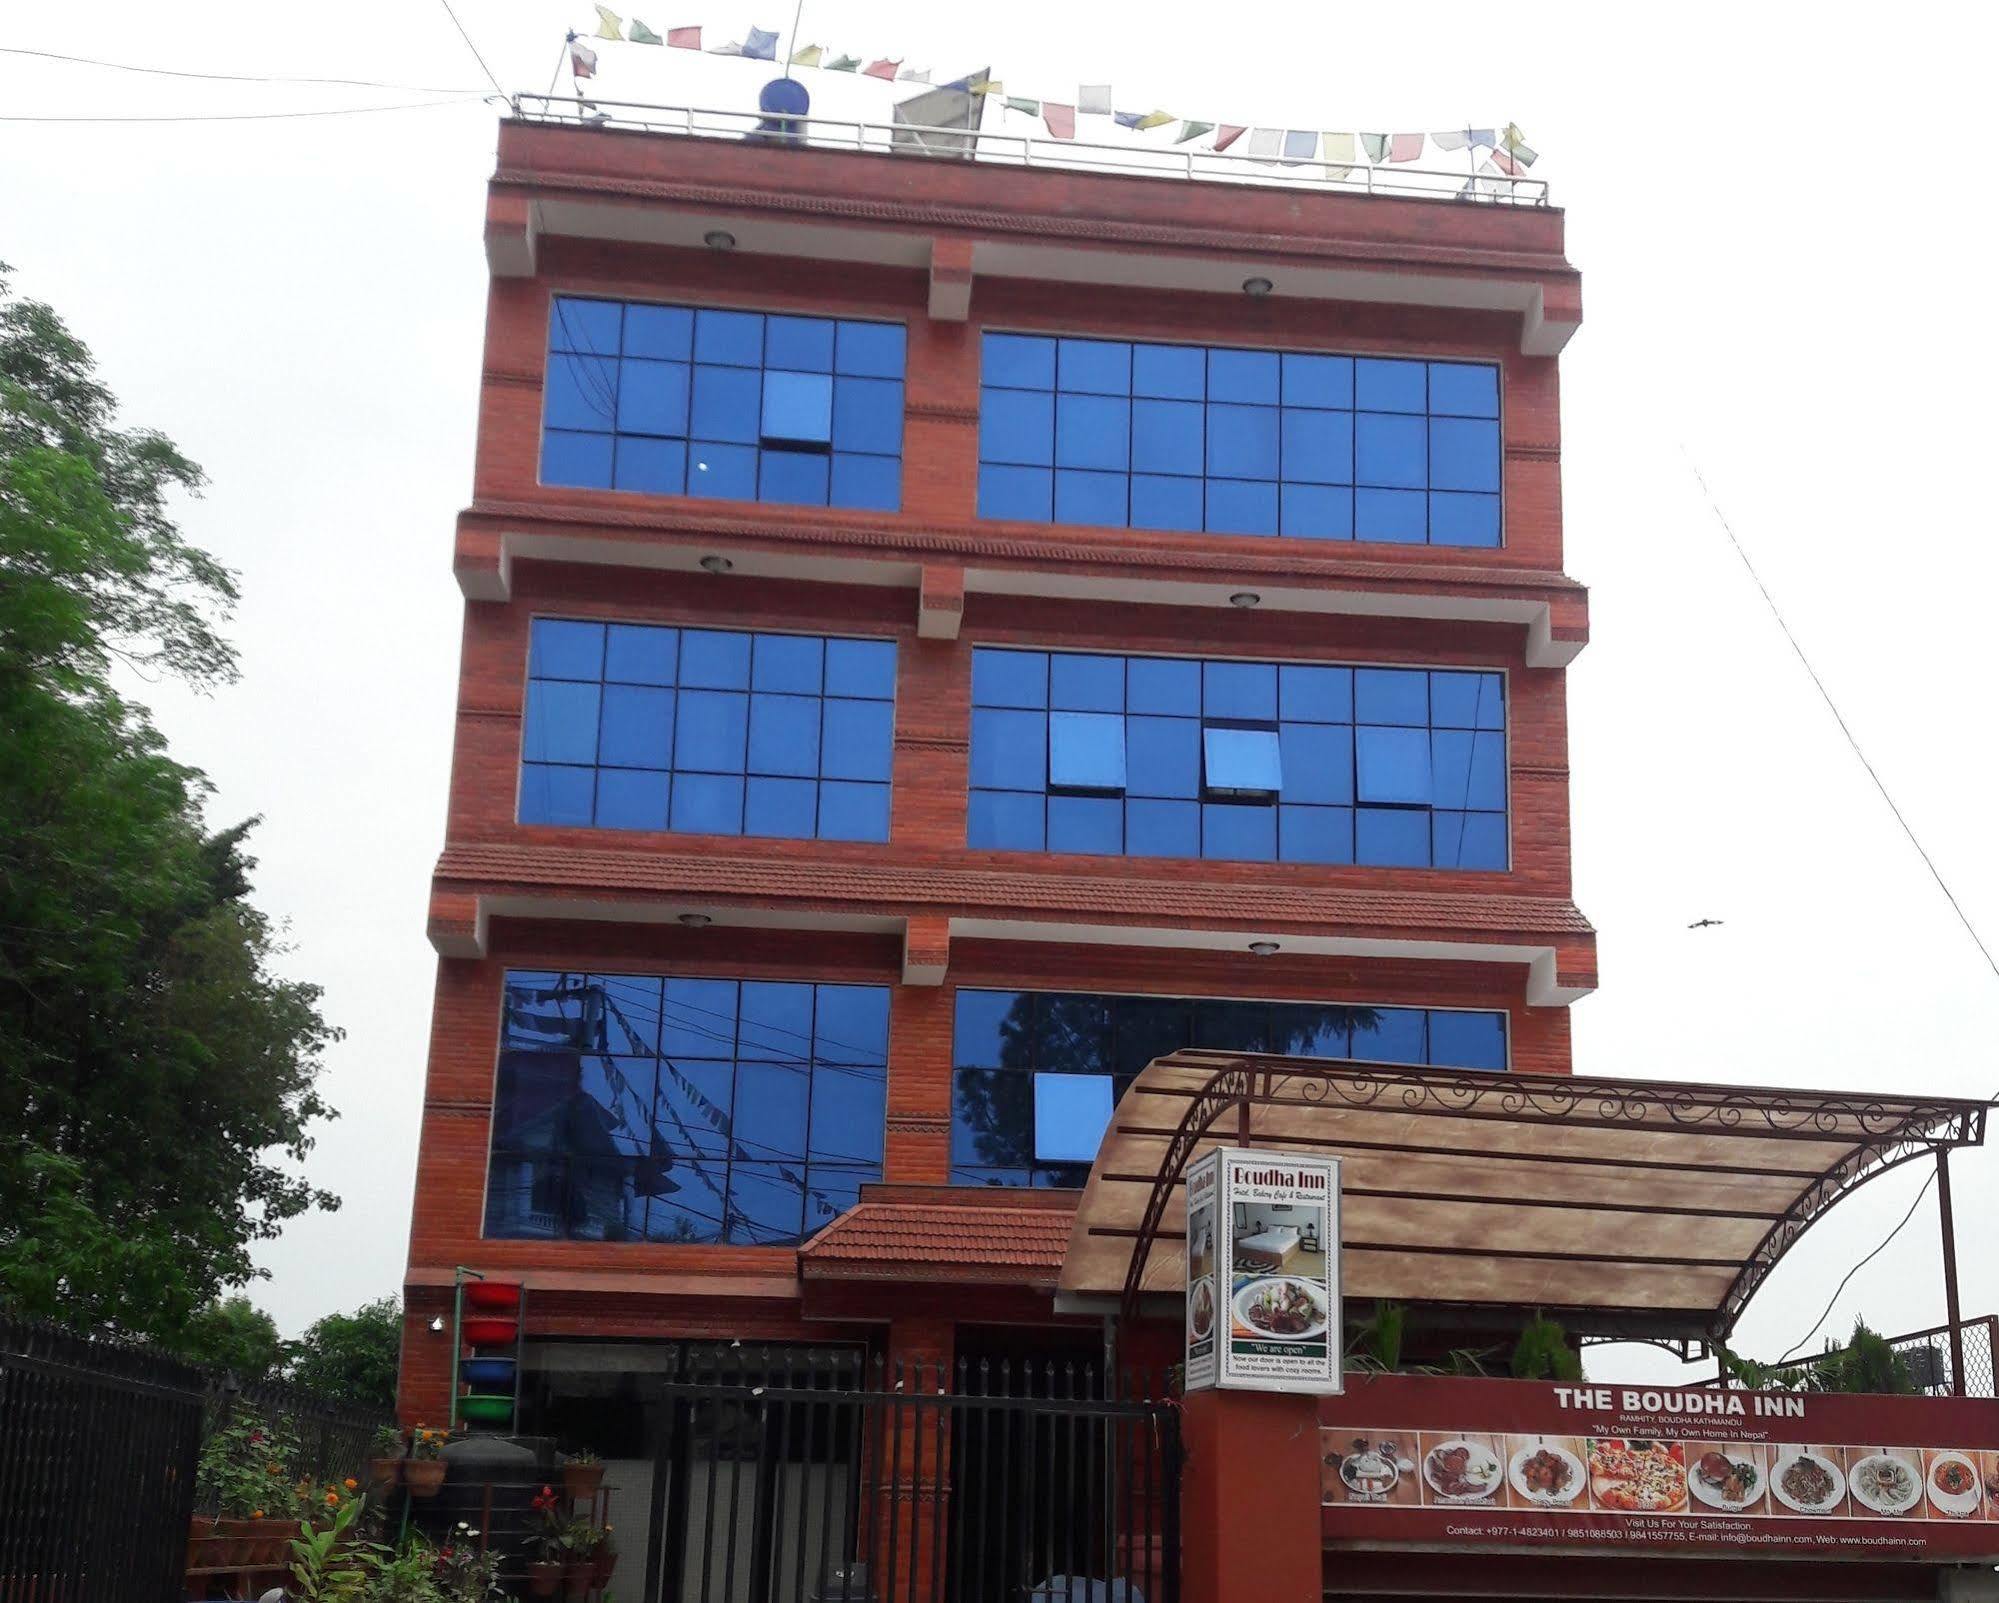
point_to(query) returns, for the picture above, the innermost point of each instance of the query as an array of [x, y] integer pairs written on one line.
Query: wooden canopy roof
[[1624, 1206]]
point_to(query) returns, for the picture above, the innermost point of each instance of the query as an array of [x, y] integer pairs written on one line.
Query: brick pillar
[[913, 1516], [1249, 1498]]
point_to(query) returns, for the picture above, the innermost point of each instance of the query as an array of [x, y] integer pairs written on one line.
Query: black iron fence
[[319, 1440], [98, 1444], [797, 1477]]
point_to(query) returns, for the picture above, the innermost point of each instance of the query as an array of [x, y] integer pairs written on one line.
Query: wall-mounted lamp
[[1257, 288], [1263, 948], [437, 1324], [720, 239], [716, 564]]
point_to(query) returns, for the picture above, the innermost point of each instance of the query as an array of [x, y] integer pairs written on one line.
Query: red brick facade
[[546, 897]]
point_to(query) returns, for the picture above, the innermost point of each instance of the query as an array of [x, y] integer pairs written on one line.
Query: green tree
[[156, 1075], [353, 1356], [233, 1333]]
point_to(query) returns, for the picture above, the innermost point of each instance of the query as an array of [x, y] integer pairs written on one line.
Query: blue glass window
[[1036, 1074], [707, 731], [1245, 761], [1231, 441], [628, 1108], [671, 400]]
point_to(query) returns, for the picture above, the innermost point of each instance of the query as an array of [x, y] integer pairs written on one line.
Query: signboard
[[1520, 1465], [1263, 1272]]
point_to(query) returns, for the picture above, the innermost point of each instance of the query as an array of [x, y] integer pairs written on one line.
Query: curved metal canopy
[[1627, 1206]]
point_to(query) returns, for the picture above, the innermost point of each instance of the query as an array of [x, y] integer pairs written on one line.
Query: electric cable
[[235, 77], [255, 116], [469, 45], [1864, 1262]]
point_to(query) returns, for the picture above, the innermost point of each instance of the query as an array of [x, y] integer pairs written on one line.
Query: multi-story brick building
[[938, 635]]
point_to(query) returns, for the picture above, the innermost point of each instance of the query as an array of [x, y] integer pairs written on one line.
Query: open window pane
[[1242, 762]]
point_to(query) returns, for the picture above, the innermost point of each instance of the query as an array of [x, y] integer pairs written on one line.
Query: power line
[[469, 45], [233, 77], [1864, 1262], [1831, 706], [260, 116]]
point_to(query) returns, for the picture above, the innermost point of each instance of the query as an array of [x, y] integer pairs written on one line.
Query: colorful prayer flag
[[683, 38], [988, 86], [761, 44], [582, 60], [845, 64], [733, 48], [1505, 163], [1228, 134], [1405, 147], [1514, 143], [642, 35], [1192, 130], [1094, 99], [913, 75], [883, 69], [1341, 152], [1061, 120], [1376, 146], [1017, 103], [1266, 143], [1451, 139], [1301, 144], [1126, 119], [1154, 119], [810, 56], [1483, 138], [609, 24]]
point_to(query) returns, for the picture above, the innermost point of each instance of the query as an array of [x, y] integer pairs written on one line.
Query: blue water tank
[[782, 101]]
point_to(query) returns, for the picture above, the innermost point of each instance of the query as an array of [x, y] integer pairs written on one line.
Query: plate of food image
[[1201, 1309], [1638, 1476], [1462, 1472], [1806, 1483], [1282, 1308], [1953, 1485], [1371, 1469], [1728, 1478], [1885, 1483], [1550, 1476]]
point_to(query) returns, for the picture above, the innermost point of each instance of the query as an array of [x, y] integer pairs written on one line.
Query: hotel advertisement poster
[[1263, 1277], [1513, 1465]]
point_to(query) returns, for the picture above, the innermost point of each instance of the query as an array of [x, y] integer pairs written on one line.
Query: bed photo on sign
[[1276, 1239]]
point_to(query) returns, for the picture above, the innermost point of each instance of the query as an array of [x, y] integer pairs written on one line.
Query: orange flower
[[256, 1513], [332, 1498], [270, 1469], [350, 1483]]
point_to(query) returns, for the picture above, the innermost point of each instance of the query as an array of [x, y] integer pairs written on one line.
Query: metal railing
[[790, 1477], [328, 1441], [1033, 150], [1926, 1355]]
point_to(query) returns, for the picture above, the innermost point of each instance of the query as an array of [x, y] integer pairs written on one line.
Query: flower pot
[[489, 1332], [267, 1544], [502, 1295], [576, 1577], [234, 1539], [486, 1410], [423, 1476], [580, 1481], [544, 1578], [487, 1374], [602, 1565], [383, 1473]]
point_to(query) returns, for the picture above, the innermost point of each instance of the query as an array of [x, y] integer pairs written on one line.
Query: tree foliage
[[352, 1357], [156, 1074], [233, 1333]]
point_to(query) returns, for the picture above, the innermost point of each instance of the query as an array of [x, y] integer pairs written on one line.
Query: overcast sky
[[1786, 280]]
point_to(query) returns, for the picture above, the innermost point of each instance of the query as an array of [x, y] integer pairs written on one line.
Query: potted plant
[[579, 1558], [245, 1473], [423, 1470], [385, 1459], [607, 1557], [545, 1567], [582, 1474]]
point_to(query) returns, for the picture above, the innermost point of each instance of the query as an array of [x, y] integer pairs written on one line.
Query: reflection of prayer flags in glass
[[1192, 130], [1155, 119], [1228, 134], [609, 24], [684, 38], [1126, 119], [582, 61], [642, 35], [1061, 120], [1266, 142], [1341, 154], [1301, 144], [810, 56], [1016, 103], [845, 64], [761, 45], [1405, 147], [1094, 99], [884, 69], [1376, 146]]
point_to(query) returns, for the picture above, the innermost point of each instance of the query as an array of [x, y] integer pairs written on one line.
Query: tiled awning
[[924, 1233], [1622, 1204]]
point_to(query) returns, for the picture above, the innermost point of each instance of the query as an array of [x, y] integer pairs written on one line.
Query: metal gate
[[792, 1477]]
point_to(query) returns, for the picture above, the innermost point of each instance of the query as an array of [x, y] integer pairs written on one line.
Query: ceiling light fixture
[[696, 921], [1245, 598], [437, 1324], [722, 239], [1257, 288], [1263, 948], [716, 564]]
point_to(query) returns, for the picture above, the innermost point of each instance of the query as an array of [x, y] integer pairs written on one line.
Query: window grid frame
[[1278, 408], [811, 1063], [673, 769], [687, 441], [1203, 720]]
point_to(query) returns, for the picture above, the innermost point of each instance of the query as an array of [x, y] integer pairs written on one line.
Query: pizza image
[[1637, 1476]]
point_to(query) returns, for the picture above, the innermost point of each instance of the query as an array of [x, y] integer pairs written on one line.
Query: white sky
[[1786, 271]]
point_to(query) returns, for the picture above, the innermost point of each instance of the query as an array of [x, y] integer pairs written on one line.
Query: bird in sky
[[1705, 924]]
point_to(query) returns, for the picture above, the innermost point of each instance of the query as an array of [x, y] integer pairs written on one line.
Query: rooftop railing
[[1033, 150]]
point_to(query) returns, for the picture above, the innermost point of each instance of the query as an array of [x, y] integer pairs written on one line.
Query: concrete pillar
[[1249, 1498]]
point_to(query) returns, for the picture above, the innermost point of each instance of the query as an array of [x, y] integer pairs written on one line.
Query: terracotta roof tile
[[884, 1238]]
